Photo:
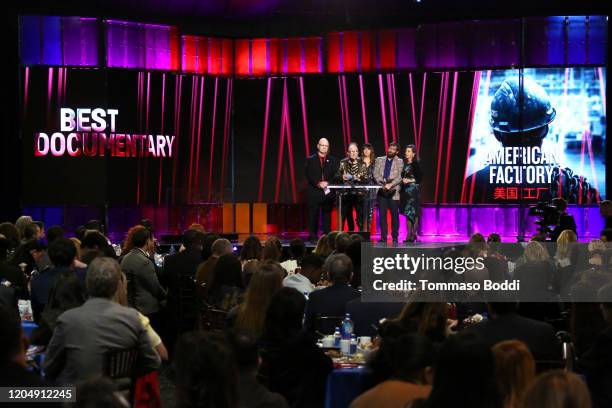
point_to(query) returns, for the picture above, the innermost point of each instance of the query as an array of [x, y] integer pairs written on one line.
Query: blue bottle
[[347, 327], [337, 337]]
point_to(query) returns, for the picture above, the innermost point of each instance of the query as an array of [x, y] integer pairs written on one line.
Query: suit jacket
[[330, 301], [42, 284], [84, 334], [395, 176], [145, 292], [365, 315], [178, 276], [315, 173], [538, 336]]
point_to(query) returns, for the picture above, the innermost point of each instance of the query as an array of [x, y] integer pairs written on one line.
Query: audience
[[307, 275], [226, 288], [596, 362], [515, 371], [206, 372], [250, 315], [145, 293], [402, 367], [251, 250], [464, 376], [297, 250], [558, 389], [506, 324], [292, 364], [322, 249], [84, 335], [204, 274], [62, 253], [332, 300], [272, 250], [13, 346], [429, 319], [178, 277], [251, 393]]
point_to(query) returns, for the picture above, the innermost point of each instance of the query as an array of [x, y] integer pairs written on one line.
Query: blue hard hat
[[536, 108]]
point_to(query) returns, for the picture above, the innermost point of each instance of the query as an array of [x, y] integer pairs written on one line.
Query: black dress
[[411, 202]]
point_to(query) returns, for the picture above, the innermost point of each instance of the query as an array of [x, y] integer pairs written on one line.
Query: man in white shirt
[[307, 275]]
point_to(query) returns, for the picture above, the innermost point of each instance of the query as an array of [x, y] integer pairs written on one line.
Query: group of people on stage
[[398, 181]]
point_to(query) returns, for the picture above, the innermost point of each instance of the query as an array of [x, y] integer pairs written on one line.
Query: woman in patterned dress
[[411, 179]]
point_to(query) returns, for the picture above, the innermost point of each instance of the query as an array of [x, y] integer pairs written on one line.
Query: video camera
[[547, 215]]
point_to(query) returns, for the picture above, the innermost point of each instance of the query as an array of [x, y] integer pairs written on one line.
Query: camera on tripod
[[547, 215]]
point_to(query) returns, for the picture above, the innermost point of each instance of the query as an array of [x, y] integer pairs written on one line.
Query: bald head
[[323, 146]]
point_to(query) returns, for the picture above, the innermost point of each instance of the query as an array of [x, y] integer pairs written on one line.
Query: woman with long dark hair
[[411, 180], [368, 156]]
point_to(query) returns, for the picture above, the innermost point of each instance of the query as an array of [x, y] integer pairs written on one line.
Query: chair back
[[120, 363]]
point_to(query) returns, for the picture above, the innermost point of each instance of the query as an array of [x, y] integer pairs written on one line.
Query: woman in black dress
[[411, 179], [369, 157]]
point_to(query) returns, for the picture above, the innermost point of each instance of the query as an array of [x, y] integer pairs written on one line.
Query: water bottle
[[347, 327], [353, 344], [337, 337]]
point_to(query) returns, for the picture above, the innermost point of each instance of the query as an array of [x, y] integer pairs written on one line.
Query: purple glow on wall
[[138, 45]]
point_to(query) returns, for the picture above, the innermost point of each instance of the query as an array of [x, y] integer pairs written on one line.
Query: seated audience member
[[32, 232], [66, 292], [226, 285], [27, 256], [209, 240], [145, 293], [250, 315], [248, 270], [307, 275], [251, 250], [85, 334], [272, 250], [429, 319], [62, 254], [13, 347], [403, 368], [95, 244], [332, 300], [297, 250], [55, 232], [557, 389], [292, 364], [178, 276], [585, 318], [251, 394], [322, 249], [495, 262], [367, 316], [21, 224], [99, 392], [463, 362], [10, 232], [596, 362], [343, 240], [206, 373], [11, 274], [331, 240], [204, 274], [506, 324], [515, 371], [353, 251], [121, 297]]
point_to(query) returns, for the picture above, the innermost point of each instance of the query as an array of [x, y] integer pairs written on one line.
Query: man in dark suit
[[145, 293], [62, 254], [366, 316], [84, 335], [321, 169], [388, 174], [506, 324], [178, 277], [332, 300]]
